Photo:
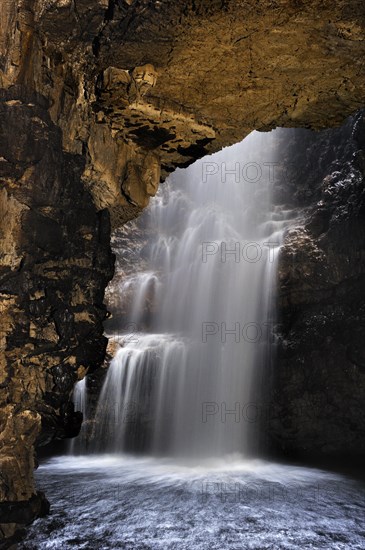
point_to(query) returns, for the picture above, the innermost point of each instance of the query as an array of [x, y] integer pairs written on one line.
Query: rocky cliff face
[[54, 265], [100, 99], [319, 379]]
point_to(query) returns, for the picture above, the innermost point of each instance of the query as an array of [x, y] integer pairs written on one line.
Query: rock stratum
[[100, 100]]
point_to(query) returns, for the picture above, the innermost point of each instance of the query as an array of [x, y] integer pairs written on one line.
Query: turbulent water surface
[[115, 502]]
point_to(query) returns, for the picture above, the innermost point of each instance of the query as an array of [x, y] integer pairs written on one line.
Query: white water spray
[[186, 383]]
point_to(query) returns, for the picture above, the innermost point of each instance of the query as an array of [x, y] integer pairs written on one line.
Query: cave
[[105, 106]]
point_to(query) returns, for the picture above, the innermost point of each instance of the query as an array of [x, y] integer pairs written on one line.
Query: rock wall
[[100, 100], [54, 265], [319, 377]]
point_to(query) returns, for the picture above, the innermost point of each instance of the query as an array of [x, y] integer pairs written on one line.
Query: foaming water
[[105, 502], [203, 312], [168, 471]]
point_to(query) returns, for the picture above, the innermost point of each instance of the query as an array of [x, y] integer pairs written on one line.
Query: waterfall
[[186, 382], [80, 403]]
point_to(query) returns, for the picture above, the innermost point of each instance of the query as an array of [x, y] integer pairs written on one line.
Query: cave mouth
[[157, 492], [100, 101]]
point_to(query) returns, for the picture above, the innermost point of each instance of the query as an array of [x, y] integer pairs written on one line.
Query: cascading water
[[80, 402], [185, 383]]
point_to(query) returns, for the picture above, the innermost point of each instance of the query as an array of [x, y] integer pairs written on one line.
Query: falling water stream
[[181, 384], [172, 458]]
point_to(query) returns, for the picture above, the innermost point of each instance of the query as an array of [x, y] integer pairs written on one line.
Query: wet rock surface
[[319, 378]]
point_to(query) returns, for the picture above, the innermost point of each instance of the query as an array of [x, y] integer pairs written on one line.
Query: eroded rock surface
[[139, 85], [54, 265]]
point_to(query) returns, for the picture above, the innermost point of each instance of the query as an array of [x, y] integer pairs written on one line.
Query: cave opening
[[101, 101], [303, 180]]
